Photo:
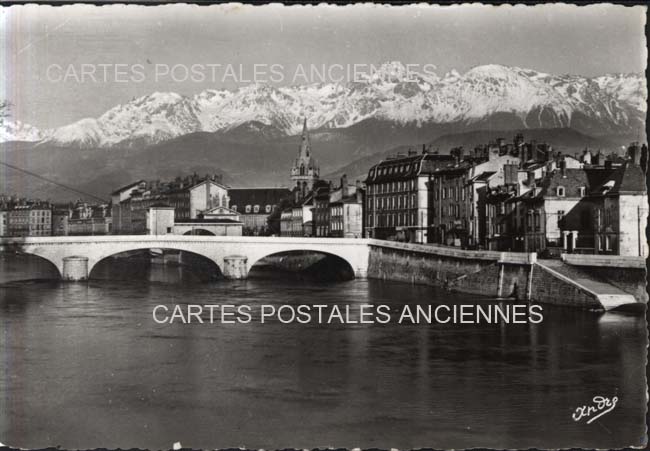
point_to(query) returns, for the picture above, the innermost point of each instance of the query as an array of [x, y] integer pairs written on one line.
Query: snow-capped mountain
[[529, 99], [12, 130], [18, 131]]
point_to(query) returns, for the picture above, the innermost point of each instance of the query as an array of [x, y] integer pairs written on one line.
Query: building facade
[[458, 196], [189, 196], [594, 206], [255, 205], [346, 210], [86, 219], [29, 219], [397, 203], [4, 224]]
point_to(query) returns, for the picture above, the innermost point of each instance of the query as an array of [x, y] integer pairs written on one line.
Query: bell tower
[[305, 170]]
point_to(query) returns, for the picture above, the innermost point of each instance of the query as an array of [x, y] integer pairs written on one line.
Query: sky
[[44, 49]]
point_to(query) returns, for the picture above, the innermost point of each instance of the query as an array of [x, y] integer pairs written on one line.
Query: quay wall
[[551, 288], [423, 264], [630, 280], [507, 275], [492, 273], [626, 273]]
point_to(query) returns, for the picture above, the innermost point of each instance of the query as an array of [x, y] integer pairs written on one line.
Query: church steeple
[[305, 145], [305, 169]]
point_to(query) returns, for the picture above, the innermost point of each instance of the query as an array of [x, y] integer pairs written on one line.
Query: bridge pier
[[234, 267], [75, 268]]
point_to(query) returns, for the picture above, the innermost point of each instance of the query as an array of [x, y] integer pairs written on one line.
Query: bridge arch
[[329, 265], [43, 267], [185, 257]]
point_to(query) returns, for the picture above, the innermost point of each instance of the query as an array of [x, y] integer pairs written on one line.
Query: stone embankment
[[586, 281]]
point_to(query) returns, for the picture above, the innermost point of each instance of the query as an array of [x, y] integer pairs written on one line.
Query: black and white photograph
[[323, 226]]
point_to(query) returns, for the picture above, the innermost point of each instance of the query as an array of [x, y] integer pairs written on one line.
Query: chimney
[[459, 153], [518, 141], [533, 150], [344, 185], [509, 174], [634, 153], [599, 159], [563, 167], [524, 152], [531, 179], [608, 164], [549, 154], [208, 198]]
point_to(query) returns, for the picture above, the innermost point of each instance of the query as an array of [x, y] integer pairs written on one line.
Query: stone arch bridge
[[75, 256]]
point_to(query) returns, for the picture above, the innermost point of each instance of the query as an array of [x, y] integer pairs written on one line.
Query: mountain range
[[249, 133]]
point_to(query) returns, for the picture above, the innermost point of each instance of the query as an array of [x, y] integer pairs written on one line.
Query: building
[[398, 203], [29, 219], [302, 217], [86, 219], [4, 228], [458, 194], [620, 217], [218, 221], [346, 210], [321, 211], [597, 207], [60, 221], [160, 219], [305, 170], [286, 222], [255, 205], [189, 196]]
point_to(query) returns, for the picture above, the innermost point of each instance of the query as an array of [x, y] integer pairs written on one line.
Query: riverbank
[[584, 281]]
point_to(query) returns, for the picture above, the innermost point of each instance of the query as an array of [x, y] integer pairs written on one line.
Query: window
[[582, 191], [256, 209], [560, 218], [248, 208], [234, 207], [560, 191]]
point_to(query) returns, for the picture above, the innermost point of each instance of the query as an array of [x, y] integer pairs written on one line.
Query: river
[[84, 365]]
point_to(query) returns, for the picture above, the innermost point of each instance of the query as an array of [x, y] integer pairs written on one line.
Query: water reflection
[[85, 365]]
